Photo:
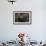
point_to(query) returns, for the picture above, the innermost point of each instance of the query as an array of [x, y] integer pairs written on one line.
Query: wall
[[9, 31]]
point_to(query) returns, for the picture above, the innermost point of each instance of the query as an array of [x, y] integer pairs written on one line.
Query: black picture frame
[[22, 17]]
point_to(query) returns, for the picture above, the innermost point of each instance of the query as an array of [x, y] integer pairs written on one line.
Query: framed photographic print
[[22, 17]]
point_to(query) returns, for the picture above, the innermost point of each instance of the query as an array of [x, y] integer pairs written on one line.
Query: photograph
[[22, 17]]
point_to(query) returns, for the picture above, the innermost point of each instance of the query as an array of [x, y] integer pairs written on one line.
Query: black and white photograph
[[22, 17]]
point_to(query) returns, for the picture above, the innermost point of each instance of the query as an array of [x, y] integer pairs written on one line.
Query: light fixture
[[12, 1]]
